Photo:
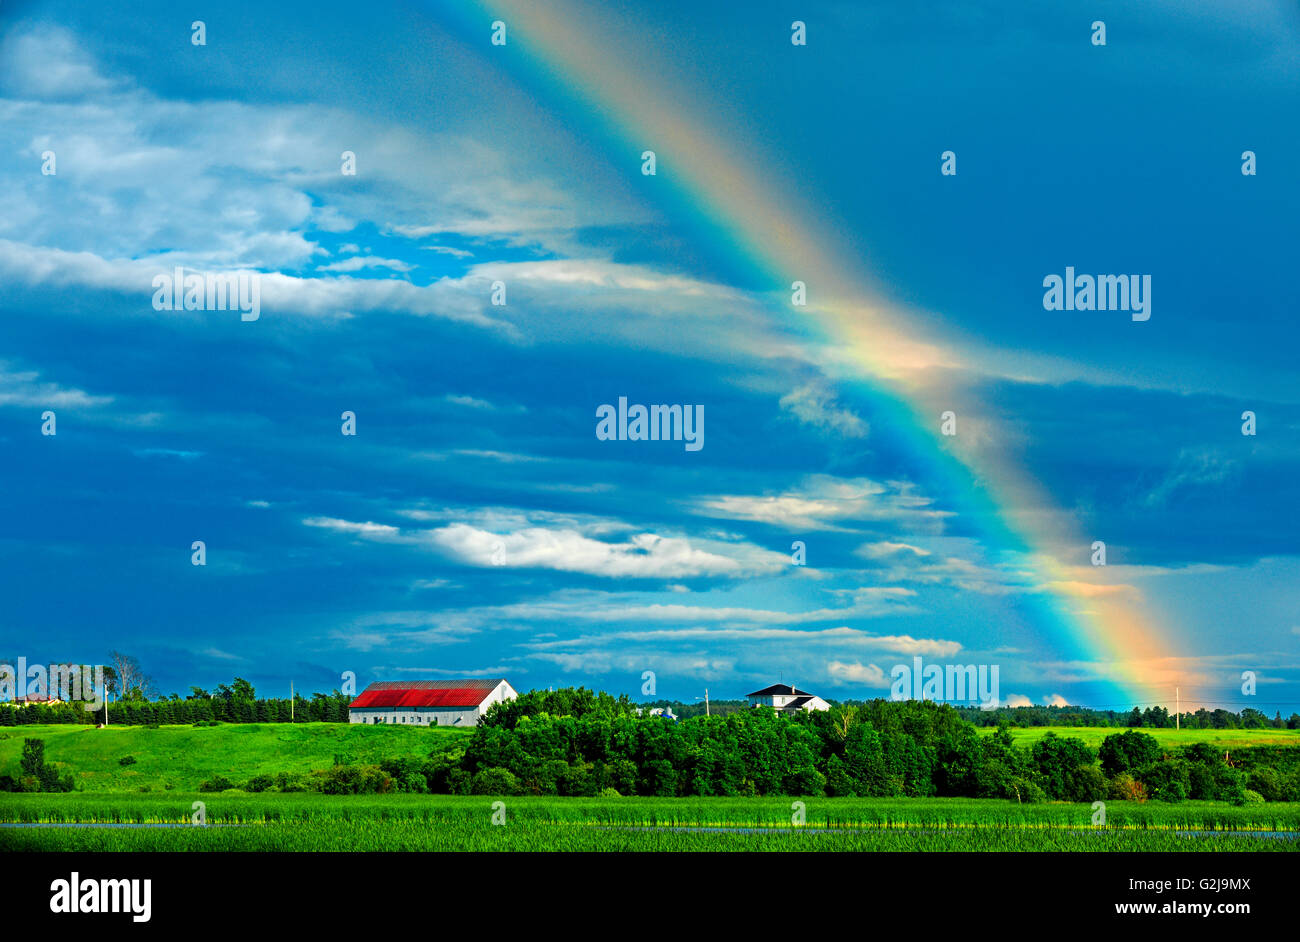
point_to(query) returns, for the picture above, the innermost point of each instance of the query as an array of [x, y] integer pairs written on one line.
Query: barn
[[429, 702]]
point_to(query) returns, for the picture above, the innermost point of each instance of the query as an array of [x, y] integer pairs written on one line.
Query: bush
[[1124, 787], [1266, 783], [287, 782], [218, 783], [126, 760], [1250, 797], [352, 780], [1123, 752], [1166, 780], [259, 783], [609, 793], [494, 781]]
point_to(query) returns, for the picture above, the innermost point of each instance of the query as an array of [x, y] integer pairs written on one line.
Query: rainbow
[[1099, 627]]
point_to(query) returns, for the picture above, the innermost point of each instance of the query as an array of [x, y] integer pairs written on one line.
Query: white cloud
[[644, 555], [823, 502], [814, 405], [25, 388], [371, 531], [46, 62], [362, 262], [886, 550], [868, 675], [1018, 700]]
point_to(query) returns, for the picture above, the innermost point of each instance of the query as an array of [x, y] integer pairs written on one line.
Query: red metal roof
[[425, 693]]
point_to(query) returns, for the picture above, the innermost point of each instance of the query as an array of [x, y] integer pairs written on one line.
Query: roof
[[425, 693], [779, 690], [798, 703]]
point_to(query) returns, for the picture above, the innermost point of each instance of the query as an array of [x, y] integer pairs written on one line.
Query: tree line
[[583, 743], [227, 703]]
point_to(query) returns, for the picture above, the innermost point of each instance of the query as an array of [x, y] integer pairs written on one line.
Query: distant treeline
[[1150, 718], [237, 703]]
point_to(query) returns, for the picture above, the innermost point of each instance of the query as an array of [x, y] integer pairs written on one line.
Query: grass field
[[420, 822], [1227, 738], [109, 811], [185, 756]]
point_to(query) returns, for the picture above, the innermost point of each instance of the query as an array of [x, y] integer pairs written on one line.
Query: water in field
[[724, 829]]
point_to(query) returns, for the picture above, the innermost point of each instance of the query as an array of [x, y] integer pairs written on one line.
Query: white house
[[787, 698], [429, 702]]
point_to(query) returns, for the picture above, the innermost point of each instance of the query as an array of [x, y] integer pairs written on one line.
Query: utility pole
[[1178, 700], [706, 701], [291, 701]]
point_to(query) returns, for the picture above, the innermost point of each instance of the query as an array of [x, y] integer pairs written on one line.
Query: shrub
[[218, 783], [609, 793], [1124, 787], [1166, 780], [494, 781], [1123, 752], [259, 783], [1250, 797], [126, 760], [1266, 783], [352, 780]]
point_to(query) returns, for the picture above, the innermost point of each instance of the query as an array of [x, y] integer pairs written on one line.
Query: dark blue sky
[[475, 525]]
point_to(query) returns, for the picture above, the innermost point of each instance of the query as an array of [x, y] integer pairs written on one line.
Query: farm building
[[785, 697], [429, 702]]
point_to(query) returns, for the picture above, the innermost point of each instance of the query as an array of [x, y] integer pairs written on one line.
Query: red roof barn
[[429, 702]]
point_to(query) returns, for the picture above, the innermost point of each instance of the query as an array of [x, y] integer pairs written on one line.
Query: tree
[[1063, 767], [1126, 751], [132, 682]]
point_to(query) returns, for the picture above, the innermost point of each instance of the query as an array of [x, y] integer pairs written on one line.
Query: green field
[[182, 757], [426, 822], [1093, 735], [148, 805]]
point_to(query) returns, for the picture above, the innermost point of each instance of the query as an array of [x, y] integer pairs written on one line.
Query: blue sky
[[375, 553]]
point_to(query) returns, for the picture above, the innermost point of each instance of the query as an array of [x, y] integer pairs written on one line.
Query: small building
[[783, 697], [429, 702]]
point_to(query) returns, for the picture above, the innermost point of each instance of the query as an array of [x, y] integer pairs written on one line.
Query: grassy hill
[[184, 756], [1227, 738]]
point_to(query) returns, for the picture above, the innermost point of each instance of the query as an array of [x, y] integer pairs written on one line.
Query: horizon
[[403, 440]]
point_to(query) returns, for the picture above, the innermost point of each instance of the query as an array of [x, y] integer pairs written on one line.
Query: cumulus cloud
[[868, 675], [512, 539], [643, 555]]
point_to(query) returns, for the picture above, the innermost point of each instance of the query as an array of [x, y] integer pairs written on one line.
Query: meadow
[[182, 757], [1092, 736], [149, 804], [298, 822]]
